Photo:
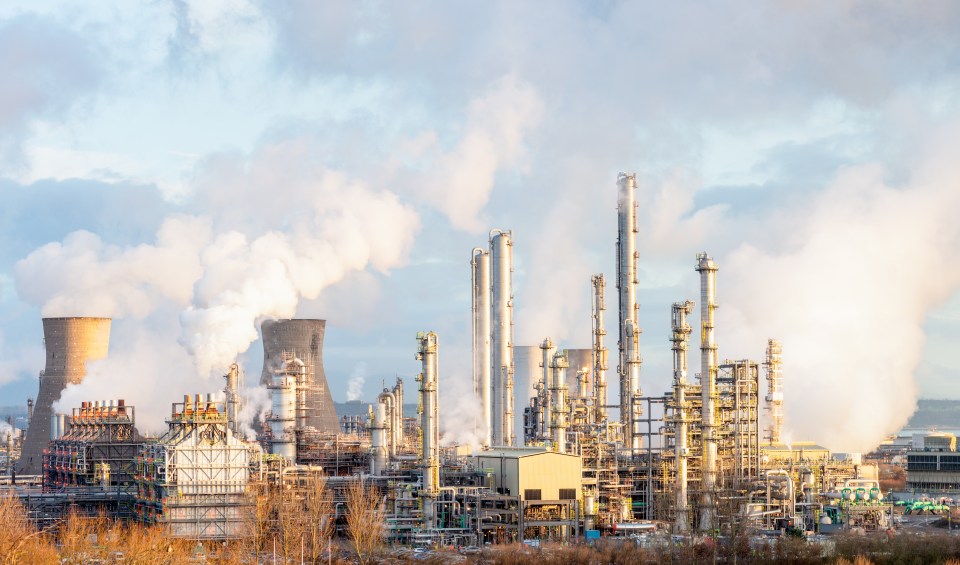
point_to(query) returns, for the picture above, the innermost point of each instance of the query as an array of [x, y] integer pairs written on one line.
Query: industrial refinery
[[567, 463]]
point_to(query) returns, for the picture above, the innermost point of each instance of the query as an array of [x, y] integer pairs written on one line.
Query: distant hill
[[936, 413]]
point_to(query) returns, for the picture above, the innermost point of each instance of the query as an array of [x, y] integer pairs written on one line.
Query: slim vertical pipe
[[480, 274], [501, 246], [599, 352], [627, 287], [681, 334], [708, 381]]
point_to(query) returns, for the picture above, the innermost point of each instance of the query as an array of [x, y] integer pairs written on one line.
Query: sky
[[190, 168]]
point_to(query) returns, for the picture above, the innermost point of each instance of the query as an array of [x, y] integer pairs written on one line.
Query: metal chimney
[[69, 343], [303, 339]]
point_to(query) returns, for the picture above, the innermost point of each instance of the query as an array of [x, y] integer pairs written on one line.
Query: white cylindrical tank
[[54, 432], [526, 372]]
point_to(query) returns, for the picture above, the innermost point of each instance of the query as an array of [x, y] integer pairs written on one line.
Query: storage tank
[[69, 344]]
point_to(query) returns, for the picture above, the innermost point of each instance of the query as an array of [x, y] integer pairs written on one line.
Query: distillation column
[[429, 423], [681, 334], [774, 397], [480, 278], [558, 401], [708, 381], [380, 455], [629, 369], [234, 380], [501, 249], [547, 350], [599, 352]]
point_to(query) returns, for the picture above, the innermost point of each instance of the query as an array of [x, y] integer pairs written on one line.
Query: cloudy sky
[[191, 167]]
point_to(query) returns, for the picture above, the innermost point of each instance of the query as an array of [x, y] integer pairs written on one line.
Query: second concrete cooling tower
[[69, 343], [304, 339]]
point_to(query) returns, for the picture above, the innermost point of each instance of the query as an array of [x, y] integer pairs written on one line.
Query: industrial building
[[703, 457]]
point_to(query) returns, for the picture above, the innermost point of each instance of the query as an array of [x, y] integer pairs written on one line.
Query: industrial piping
[[480, 273], [681, 334], [708, 382], [629, 369], [501, 246]]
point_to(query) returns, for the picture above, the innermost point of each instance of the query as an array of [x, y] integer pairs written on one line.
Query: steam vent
[[70, 343], [304, 340]]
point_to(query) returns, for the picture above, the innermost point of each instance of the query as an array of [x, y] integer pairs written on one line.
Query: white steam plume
[[356, 381], [460, 181], [214, 277], [847, 289]]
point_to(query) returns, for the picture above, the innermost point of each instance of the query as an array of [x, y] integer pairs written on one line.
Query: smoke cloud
[[847, 288], [216, 284], [356, 381]]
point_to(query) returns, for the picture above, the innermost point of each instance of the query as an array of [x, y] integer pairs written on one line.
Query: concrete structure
[[303, 339], [69, 344]]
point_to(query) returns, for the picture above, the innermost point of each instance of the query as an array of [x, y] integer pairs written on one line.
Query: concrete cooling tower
[[304, 339], [69, 343]]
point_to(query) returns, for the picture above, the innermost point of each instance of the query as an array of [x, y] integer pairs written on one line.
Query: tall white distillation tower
[[629, 342], [708, 383], [501, 260], [480, 269], [774, 399], [681, 335], [429, 424], [599, 352]]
